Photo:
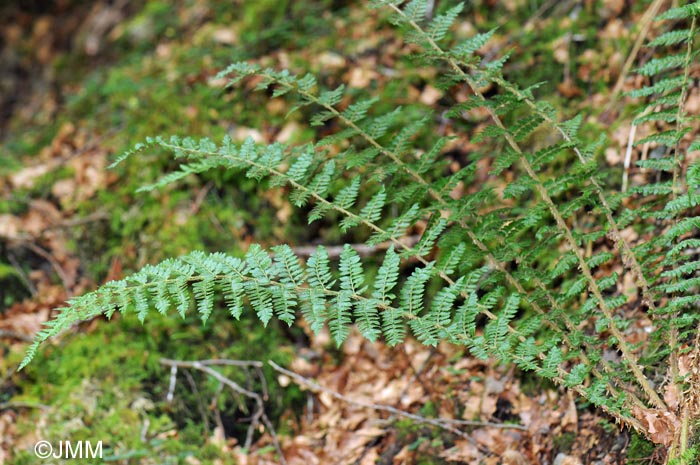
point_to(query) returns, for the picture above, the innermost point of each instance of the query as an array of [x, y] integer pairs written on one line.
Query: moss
[[563, 442], [107, 384], [640, 447]]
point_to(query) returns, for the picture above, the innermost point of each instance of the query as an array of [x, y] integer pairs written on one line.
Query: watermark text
[[68, 450]]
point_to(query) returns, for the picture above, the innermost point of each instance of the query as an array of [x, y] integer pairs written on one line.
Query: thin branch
[[70, 223], [628, 157], [22, 275], [259, 413], [363, 250], [214, 405], [15, 335], [437, 422], [171, 384], [645, 23], [197, 365], [20, 404], [233, 363], [67, 282], [200, 404], [144, 429]]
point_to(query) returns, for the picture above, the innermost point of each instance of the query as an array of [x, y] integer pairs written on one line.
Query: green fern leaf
[[414, 288], [387, 278], [466, 49], [439, 26]]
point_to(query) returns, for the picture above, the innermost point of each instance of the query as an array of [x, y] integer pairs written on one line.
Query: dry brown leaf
[[485, 437], [613, 156], [629, 286], [511, 457], [563, 459], [403, 457], [561, 49], [629, 234], [611, 8], [685, 363], [614, 29], [463, 451], [24, 323], [305, 368], [660, 426], [488, 406], [672, 396], [331, 61], [288, 131], [570, 417], [225, 36], [26, 177], [242, 133], [371, 457], [568, 89], [9, 226], [414, 393], [360, 78], [430, 95], [692, 103]]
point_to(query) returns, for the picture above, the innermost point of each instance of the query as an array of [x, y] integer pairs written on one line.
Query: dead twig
[[171, 385], [70, 223], [258, 415], [65, 279], [233, 363], [645, 24], [200, 404], [363, 250], [18, 404], [214, 405], [628, 157], [200, 197], [7, 333], [144, 429], [22, 275], [437, 422]]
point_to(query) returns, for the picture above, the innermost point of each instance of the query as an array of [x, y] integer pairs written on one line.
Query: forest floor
[[82, 82]]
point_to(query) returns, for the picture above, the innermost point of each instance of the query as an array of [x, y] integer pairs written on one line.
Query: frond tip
[[271, 285]]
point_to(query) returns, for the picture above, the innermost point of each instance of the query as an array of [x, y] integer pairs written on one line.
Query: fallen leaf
[[226, 36], [661, 426], [361, 77], [568, 89], [511, 457], [26, 177], [613, 156], [570, 417], [331, 61], [672, 396], [463, 451], [430, 95], [563, 459], [9, 226]]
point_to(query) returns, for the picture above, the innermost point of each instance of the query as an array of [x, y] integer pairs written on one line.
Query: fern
[[529, 275]]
